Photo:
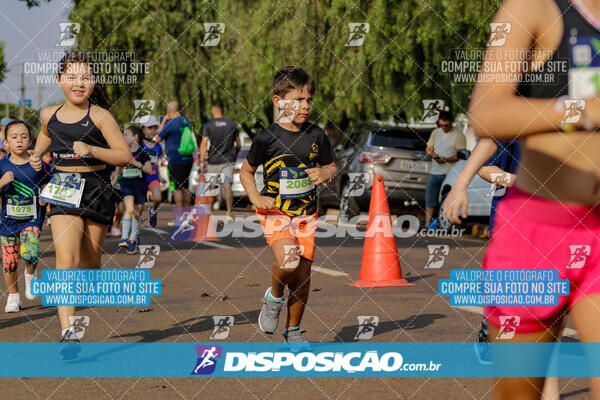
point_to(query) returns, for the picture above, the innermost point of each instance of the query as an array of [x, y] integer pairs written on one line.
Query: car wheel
[[349, 207], [443, 222]]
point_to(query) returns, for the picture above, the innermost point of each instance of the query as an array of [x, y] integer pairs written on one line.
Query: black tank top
[[555, 69], [63, 135]]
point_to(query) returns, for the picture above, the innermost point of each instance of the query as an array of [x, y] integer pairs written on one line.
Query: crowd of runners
[[85, 175]]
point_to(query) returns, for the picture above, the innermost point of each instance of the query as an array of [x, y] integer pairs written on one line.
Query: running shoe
[[171, 223], [13, 303], [114, 231], [28, 278], [132, 246], [269, 314], [153, 217], [69, 346], [296, 340], [483, 348], [123, 243]]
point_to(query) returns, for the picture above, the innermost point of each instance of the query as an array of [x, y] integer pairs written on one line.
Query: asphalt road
[[229, 278]]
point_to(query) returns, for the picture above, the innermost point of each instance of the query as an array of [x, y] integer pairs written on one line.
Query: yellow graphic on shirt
[[292, 207], [315, 151]]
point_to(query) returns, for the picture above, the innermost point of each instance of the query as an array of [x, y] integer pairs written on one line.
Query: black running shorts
[[97, 202], [179, 175]]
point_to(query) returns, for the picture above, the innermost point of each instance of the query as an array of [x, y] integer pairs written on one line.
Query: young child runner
[[290, 152], [549, 217], [134, 188], [83, 137], [22, 214], [154, 150]]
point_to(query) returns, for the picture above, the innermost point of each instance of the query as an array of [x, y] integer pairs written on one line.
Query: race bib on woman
[[294, 183], [65, 189]]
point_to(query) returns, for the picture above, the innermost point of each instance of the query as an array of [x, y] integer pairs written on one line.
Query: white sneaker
[[28, 279], [13, 303]]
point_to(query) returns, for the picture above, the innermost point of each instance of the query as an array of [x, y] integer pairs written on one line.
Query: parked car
[[395, 152], [478, 192], [236, 187]]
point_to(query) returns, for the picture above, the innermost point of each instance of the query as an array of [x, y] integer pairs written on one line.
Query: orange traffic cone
[[203, 206], [380, 265]]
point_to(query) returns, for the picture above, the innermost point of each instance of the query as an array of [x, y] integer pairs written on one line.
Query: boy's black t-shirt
[[285, 155]]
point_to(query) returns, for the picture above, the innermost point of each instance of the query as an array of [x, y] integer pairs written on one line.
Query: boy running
[[22, 214], [290, 150]]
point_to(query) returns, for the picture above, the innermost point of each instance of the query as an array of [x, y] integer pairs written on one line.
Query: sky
[[25, 32]]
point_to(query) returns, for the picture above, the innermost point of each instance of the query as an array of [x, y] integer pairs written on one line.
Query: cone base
[[372, 284]]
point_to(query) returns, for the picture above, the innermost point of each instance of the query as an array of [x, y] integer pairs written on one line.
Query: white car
[[236, 187], [479, 193]]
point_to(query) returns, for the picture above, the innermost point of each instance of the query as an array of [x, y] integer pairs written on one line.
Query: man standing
[[442, 146], [180, 166], [224, 146]]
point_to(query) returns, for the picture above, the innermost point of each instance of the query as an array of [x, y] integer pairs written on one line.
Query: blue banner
[[277, 360]]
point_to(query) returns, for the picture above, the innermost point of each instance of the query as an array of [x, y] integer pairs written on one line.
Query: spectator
[[442, 146], [224, 146], [180, 166]]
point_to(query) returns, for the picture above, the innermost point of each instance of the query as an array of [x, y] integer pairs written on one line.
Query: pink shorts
[[535, 233]]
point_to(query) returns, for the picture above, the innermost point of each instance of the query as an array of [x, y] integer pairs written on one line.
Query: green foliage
[[388, 76], [32, 116]]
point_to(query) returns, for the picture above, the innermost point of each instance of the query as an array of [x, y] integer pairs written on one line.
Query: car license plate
[[414, 166]]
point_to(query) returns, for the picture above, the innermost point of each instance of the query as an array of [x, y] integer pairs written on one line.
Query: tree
[[388, 76], [3, 67]]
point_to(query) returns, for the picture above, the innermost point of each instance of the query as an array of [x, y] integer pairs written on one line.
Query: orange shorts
[[278, 225]]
